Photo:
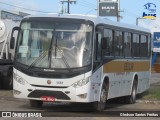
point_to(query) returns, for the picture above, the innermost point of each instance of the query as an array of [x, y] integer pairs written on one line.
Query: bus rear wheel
[[100, 105], [131, 99], [36, 103]]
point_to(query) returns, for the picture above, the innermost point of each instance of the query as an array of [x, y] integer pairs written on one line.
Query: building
[[15, 16]]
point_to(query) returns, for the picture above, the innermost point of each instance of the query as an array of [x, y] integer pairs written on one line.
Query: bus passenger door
[[97, 48], [97, 64]]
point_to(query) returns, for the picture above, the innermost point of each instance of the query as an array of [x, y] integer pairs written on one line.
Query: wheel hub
[[103, 96]]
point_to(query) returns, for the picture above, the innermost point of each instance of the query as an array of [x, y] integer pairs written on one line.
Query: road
[[79, 111], [8, 103], [113, 108]]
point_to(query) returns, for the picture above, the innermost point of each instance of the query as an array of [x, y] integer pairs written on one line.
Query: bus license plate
[[47, 99]]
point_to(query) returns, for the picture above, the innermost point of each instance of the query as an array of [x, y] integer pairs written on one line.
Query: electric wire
[[24, 8]]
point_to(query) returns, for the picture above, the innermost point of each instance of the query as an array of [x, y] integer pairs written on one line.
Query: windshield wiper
[[50, 48], [63, 57], [56, 47], [42, 55]]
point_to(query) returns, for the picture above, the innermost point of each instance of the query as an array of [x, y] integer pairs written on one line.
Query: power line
[[86, 5], [88, 2], [24, 8], [89, 11], [81, 4], [89, 7]]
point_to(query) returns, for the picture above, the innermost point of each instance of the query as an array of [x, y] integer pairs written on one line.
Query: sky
[[131, 9]]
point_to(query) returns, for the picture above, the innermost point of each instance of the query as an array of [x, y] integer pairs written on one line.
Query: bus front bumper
[[82, 94]]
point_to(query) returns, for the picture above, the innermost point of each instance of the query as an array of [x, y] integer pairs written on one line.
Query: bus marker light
[[47, 99], [16, 92], [83, 95]]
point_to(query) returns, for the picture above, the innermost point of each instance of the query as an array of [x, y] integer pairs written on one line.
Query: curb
[[148, 101]]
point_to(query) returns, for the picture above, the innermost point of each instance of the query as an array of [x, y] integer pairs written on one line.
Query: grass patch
[[152, 94]]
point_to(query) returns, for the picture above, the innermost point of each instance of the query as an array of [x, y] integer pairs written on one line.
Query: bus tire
[[36, 103], [100, 105], [8, 80], [131, 99]]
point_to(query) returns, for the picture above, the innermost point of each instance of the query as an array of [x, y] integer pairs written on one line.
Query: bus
[[80, 58]]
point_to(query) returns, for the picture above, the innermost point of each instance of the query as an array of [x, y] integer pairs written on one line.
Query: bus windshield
[[54, 44]]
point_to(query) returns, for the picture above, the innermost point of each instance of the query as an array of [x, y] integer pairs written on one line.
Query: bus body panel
[[121, 74]]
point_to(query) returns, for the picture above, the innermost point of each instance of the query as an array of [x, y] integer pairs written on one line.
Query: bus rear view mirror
[[104, 43], [12, 40]]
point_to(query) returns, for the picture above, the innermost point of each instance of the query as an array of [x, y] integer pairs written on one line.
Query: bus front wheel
[[100, 105], [36, 103]]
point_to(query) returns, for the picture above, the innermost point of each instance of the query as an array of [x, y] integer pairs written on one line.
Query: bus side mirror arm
[[12, 40]]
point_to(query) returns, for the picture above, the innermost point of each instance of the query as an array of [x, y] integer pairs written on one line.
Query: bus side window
[[143, 47], [108, 43], [118, 44], [136, 45], [149, 45], [127, 44], [98, 46]]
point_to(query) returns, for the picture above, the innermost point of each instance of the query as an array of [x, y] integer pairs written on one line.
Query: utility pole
[[119, 11], [68, 7], [68, 4], [98, 7], [118, 14]]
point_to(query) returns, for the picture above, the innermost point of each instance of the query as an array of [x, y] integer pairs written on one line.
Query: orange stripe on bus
[[125, 66]]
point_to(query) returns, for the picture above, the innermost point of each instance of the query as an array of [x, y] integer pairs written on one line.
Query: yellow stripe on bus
[[126, 66]]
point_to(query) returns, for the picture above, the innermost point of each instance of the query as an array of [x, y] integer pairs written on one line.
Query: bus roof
[[93, 18]]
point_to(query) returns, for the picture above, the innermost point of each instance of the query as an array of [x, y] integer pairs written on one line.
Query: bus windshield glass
[[54, 44]]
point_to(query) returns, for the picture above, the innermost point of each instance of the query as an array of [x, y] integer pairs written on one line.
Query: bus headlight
[[81, 83], [19, 79]]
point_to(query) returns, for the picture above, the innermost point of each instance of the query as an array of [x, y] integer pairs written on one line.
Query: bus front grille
[[55, 94], [49, 86]]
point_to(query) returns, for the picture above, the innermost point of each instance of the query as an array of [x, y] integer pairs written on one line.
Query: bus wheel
[[100, 106], [36, 103], [131, 99]]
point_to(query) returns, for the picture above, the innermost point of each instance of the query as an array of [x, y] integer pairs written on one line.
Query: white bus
[[78, 58]]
